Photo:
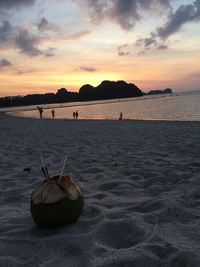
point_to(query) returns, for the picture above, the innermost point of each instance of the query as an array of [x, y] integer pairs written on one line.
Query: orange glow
[[46, 75], [71, 48]]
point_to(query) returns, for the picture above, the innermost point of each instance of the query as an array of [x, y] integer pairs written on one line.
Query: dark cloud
[[45, 25], [88, 69], [4, 63], [148, 41], [123, 50], [22, 39], [183, 14], [123, 12], [15, 3], [27, 43], [5, 31]]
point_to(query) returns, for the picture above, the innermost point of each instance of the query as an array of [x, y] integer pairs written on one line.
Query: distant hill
[[155, 92], [105, 90], [109, 90], [61, 96]]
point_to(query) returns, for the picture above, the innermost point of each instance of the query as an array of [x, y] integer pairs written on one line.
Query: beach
[[141, 185]]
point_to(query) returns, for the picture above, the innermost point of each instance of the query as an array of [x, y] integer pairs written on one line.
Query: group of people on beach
[[40, 110], [75, 115]]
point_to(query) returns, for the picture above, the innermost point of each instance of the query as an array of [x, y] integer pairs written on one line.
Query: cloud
[[45, 25], [148, 41], [77, 35], [27, 43], [15, 3], [24, 70], [21, 38], [162, 46], [88, 69], [51, 31], [122, 50], [4, 63], [5, 31], [123, 12], [183, 14], [50, 52], [24, 39]]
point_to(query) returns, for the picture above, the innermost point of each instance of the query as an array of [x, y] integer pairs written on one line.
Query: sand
[[141, 182]]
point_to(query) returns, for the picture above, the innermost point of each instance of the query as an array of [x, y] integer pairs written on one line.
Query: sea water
[[175, 107]]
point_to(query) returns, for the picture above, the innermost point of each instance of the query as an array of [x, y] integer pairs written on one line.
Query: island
[[155, 92], [105, 90]]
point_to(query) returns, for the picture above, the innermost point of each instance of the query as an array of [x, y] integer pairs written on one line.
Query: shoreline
[[5, 113]]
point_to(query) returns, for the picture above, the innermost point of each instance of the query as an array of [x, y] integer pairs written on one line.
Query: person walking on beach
[[53, 113], [40, 109], [76, 114], [120, 116]]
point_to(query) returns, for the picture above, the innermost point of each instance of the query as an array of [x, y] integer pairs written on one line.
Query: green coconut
[[56, 202]]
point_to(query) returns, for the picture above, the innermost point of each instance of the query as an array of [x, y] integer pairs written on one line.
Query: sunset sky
[[49, 44]]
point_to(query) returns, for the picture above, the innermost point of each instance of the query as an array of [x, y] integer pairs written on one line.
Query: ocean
[[172, 107]]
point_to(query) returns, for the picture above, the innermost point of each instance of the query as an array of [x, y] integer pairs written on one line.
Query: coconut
[[57, 201]]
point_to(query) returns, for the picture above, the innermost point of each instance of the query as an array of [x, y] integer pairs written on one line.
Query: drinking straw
[[44, 168], [63, 167]]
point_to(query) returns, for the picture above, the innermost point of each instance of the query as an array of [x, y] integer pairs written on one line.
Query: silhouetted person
[[74, 115], [77, 115], [40, 109], [53, 113], [120, 116]]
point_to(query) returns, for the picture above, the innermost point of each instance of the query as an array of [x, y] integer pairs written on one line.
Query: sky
[[49, 44]]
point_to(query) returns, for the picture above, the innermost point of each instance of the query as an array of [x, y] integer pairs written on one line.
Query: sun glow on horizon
[[59, 44]]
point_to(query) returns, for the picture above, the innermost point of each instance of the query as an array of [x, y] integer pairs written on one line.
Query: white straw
[[45, 170], [63, 167]]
